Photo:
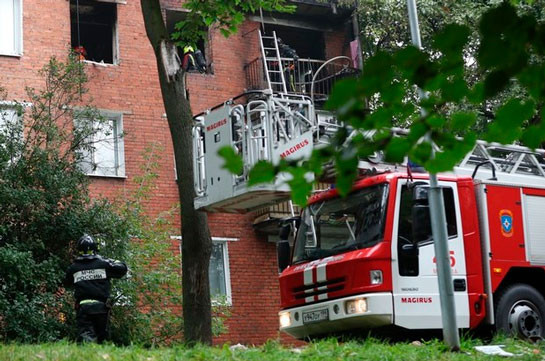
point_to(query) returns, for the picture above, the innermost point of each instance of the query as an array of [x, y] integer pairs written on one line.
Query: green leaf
[[506, 128], [453, 150], [533, 78], [300, 187], [346, 165], [476, 95], [415, 66], [435, 121], [421, 153], [455, 90], [534, 136], [394, 93], [233, 161], [452, 39], [495, 82], [462, 121], [380, 118], [262, 172], [418, 130], [378, 73], [343, 91], [397, 149]]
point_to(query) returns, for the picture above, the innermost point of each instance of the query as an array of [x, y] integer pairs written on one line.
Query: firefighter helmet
[[86, 244]]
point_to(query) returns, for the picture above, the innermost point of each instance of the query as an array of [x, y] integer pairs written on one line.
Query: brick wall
[[131, 87]]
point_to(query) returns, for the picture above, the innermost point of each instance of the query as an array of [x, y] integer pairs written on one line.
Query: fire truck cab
[[367, 260]]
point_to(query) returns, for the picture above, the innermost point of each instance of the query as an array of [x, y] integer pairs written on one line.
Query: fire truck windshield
[[339, 225]]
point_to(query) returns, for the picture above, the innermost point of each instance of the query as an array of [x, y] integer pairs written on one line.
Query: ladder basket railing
[[298, 75]]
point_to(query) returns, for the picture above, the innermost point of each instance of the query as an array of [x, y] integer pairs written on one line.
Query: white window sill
[[97, 64], [11, 55], [215, 303], [106, 176]]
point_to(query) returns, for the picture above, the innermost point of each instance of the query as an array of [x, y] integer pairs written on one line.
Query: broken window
[[11, 41], [94, 30], [308, 44], [173, 17]]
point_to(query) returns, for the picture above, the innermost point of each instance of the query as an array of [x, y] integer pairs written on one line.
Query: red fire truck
[[367, 260]]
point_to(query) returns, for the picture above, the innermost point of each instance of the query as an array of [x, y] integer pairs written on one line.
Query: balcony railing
[[299, 76]]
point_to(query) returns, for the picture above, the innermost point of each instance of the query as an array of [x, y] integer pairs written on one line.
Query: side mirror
[[283, 247], [420, 193], [283, 253], [421, 227]]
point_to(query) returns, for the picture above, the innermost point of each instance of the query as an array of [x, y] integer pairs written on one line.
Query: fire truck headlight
[[376, 277], [359, 305], [285, 320]]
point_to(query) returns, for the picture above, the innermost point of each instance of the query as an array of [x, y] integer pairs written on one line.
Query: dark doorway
[[309, 44]]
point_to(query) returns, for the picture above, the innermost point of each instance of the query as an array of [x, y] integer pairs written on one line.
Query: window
[[173, 17], [414, 228], [10, 123], [218, 272], [11, 134], [307, 43], [7, 116], [11, 42], [406, 216], [219, 275], [94, 30], [106, 154]]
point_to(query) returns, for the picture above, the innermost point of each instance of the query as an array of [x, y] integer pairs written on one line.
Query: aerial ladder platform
[[273, 123], [271, 127]]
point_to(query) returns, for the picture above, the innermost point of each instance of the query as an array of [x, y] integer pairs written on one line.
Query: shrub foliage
[[45, 207]]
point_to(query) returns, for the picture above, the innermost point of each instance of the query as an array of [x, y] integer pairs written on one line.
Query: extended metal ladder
[[272, 63], [505, 163]]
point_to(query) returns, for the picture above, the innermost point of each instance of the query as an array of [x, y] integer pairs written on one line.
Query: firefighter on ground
[[90, 275], [193, 60]]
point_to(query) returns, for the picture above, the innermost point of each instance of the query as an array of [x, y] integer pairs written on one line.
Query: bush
[[45, 206]]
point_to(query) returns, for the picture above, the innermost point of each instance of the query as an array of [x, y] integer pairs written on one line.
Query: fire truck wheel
[[520, 312]]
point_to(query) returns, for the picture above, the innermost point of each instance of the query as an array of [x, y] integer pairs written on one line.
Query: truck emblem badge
[[506, 218]]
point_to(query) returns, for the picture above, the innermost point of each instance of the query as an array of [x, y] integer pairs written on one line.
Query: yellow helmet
[[188, 48]]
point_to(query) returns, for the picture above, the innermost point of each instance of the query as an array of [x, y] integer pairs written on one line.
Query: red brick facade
[[131, 87]]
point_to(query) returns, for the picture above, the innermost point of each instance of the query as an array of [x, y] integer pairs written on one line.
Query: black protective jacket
[[90, 275]]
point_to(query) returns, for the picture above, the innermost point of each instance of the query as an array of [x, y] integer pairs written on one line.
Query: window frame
[[206, 41], [447, 202], [17, 30], [227, 269], [115, 33], [117, 118]]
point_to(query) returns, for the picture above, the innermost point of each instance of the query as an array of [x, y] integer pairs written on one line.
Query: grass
[[330, 349]]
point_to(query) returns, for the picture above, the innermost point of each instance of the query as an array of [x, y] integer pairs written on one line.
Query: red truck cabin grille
[[319, 288]]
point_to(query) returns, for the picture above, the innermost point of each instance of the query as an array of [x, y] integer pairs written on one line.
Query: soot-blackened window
[[93, 30]]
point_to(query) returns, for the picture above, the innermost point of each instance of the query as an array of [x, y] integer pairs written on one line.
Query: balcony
[[311, 77]]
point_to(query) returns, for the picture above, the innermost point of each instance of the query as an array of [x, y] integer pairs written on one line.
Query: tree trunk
[[196, 242]]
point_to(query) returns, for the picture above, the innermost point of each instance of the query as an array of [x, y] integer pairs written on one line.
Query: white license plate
[[315, 316]]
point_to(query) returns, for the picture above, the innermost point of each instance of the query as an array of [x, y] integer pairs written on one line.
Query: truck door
[[415, 288]]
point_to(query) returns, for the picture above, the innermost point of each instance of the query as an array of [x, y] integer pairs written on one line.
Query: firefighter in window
[[193, 60], [290, 65], [80, 52], [90, 276]]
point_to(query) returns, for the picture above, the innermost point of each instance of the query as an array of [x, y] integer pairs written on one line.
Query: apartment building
[[124, 85]]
